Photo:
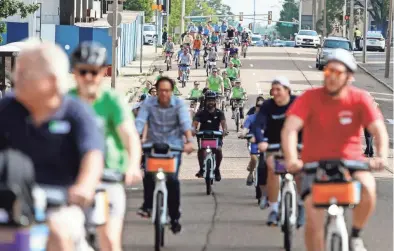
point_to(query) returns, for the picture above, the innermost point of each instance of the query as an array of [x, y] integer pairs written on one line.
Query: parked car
[[278, 43], [329, 45], [290, 43], [260, 43], [375, 41], [307, 38], [255, 39], [149, 33]]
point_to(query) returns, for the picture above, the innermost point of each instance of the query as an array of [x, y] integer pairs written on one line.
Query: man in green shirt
[[226, 81], [195, 92], [237, 63], [232, 72], [215, 82], [123, 151], [238, 93], [147, 87], [160, 74]]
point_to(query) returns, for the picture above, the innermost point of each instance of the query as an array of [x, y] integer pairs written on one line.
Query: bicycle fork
[[336, 232], [288, 187], [210, 157], [160, 187]]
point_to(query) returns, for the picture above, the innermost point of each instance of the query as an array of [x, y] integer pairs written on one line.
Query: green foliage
[[140, 5], [289, 11]]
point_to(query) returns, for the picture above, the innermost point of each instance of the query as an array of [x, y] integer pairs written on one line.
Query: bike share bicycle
[[161, 160], [210, 142], [288, 197], [334, 189], [168, 60], [185, 74], [210, 65], [237, 103]]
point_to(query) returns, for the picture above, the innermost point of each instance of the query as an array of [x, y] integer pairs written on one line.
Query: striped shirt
[[165, 124]]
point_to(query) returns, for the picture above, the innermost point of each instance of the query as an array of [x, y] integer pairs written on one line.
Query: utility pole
[[157, 29], [365, 31], [254, 16], [314, 14], [388, 41], [299, 16], [114, 42], [142, 38], [325, 18], [183, 16], [168, 16], [344, 34], [351, 22]]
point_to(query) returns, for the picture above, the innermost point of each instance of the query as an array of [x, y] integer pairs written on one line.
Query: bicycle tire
[[196, 62], [336, 243], [287, 227], [159, 228], [237, 121], [168, 65], [208, 178]]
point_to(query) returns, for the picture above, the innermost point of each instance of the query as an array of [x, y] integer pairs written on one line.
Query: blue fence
[[68, 36]]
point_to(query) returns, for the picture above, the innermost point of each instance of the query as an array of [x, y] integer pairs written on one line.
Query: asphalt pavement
[[230, 219]]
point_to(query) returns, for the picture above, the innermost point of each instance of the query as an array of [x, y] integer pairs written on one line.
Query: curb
[[151, 69], [376, 78]]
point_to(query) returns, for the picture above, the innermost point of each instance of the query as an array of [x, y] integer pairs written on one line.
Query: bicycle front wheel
[[208, 178], [159, 228], [288, 228]]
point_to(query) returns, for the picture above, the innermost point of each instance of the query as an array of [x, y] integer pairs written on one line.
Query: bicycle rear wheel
[[288, 228], [208, 178], [237, 121], [159, 228]]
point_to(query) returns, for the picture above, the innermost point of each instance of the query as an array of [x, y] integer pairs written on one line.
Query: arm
[[184, 119], [261, 122], [289, 136], [223, 122], [222, 85]]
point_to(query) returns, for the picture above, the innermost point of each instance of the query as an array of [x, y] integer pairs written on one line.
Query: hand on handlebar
[[294, 165], [188, 148], [377, 163], [263, 146], [133, 175]]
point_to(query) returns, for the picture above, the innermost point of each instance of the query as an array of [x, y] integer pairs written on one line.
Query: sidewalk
[[377, 71]]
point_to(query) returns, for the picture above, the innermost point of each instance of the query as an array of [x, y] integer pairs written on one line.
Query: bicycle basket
[[209, 143], [167, 164], [340, 193]]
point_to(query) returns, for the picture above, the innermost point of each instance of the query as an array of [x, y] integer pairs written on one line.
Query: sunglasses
[[330, 71], [83, 72]]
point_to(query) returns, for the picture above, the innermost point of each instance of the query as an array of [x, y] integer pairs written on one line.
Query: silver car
[[330, 44]]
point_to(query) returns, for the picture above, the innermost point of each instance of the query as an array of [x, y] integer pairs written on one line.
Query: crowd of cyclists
[[74, 138]]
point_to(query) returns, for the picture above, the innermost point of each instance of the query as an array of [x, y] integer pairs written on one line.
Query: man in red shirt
[[332, 118]]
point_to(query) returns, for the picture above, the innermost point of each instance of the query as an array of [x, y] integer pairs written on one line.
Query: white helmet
[[344, 57]]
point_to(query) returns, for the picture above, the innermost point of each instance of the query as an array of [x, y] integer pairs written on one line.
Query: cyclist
[[197, 45], [214, 82], [195, 92], [187, 41], [226, 81], [160, 74], [147, 87], [184, 59], [167, 119], [179, 53], [88, 63], [59, 136], [207, 49], [236, 61], [223, 29], [227, 46], [169, 47], [230, 32], [202, 98], [210, 119], [346, 110], [193, 30], [215, 40], [152, 91], [212, 55], [245, 37], [232, 72], [239, 29], [271, 118], [233, 50], [237, 92], [137, 106]]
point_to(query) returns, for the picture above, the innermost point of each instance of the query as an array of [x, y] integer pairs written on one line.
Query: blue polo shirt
[[58, 145]]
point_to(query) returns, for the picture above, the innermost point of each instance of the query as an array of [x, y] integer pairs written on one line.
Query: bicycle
[[196, 58], [335, 190], [288, 197], [210, 65], [168, 60], [185, 74], [226, 57], [209, 140], [237, 103], [160, 160], [244, 48], [194, 106]]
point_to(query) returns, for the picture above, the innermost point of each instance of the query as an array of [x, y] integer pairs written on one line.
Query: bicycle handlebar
[[354, 165], [277, 147], [218, 134], [161, 147]]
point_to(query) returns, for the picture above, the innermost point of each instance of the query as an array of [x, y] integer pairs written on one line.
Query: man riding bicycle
[[245, 36], [233, 50], [237, 92], [197, 45], [332, 118], [123, 154], [210, 119], [227, 46], [184, 61], [232, 72], [169, 47], [215, 83], [271, 118], [188, 41]]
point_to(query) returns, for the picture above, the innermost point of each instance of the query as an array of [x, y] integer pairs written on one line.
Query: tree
[[334, 14], [140, 5], [10, 8], [289, 11], [379, 12]]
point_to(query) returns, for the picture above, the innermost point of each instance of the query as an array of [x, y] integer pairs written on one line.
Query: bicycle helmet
[[344, 57], [89, 53], [210, 95]]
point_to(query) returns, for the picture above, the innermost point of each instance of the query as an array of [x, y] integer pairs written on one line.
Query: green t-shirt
[[158, 76], [232, 72], [238, 92], [195, 93], [226, 83], [145, 90], [236, 61], [214, 83], [176, 90], [111, 112]]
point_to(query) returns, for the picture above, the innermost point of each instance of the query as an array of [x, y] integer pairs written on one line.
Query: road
[[231, 219]]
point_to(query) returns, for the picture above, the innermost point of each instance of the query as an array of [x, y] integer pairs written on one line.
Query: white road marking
[[380, 93], [251, 65], [310, 67], [133, 188]]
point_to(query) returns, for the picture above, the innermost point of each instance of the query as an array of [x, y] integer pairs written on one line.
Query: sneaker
[[300, 216], [249, 179], [263, 202], [357, 244], [175, 227], [144, 212], [200, 174], [218, 177], [233, 116], [272, 219]]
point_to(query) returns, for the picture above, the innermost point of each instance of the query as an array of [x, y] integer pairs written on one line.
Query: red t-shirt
[[332, 127]]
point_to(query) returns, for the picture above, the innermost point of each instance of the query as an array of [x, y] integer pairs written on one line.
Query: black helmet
[[210, 95], [90, 53]]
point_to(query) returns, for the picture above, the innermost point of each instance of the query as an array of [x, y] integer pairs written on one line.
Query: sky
[[262, 7]]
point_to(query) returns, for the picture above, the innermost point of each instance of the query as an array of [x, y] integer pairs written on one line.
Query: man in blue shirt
[[168, 121], [58, 133]]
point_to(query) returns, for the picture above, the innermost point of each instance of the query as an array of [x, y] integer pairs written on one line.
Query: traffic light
[[241, 16], [250, 26], [165, 6], [347, 17], [269, 17]]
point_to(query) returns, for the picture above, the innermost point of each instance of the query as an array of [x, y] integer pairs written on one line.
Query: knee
[[368, 183], [314, 217], [270, 165]]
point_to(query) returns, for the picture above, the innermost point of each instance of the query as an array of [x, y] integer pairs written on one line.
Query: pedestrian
[[357, 36]]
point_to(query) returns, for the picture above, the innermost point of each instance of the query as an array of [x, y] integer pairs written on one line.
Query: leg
[[232, 109], [110, 234], [200, 156], [174, 198], [273, 190], [241, 116], [314, 227]]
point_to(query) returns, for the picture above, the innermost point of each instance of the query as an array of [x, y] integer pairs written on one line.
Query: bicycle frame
[[288, 187], [210, 156], [336, 226], [160, 187]]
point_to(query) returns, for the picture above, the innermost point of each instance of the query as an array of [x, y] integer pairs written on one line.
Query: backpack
[[16, 185]]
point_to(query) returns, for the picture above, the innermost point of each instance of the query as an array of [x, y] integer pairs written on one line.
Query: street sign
[[119, 31], [198, 19], [286, 24], [110, 19]]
